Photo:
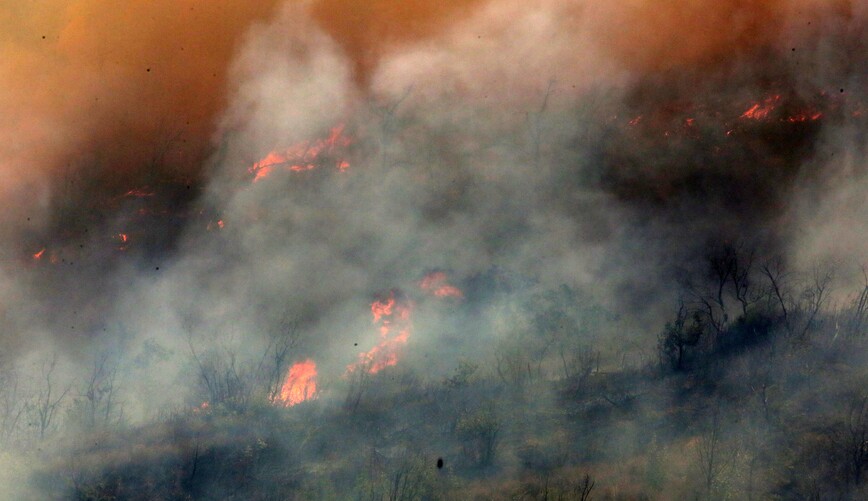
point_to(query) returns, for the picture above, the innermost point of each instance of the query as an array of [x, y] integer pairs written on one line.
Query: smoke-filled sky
[[595, 144]]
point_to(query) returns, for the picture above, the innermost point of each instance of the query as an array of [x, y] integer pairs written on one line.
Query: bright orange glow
[[382, 308], [392, 318], [435, 283], [299, 385], [39, 254], [805, 117], [761, 111], [123, 239], [303, 156]]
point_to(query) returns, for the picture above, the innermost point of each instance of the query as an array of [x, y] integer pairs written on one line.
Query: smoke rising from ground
[[513, 148]]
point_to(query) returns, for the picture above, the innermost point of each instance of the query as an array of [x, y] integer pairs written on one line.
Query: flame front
[[299, 385], [392, 317], [303, 156], [760, 111]]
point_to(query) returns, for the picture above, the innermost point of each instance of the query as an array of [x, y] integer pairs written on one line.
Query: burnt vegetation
[[754, 390], [693, 356]]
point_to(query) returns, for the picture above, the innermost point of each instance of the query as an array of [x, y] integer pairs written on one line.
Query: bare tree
[[583, 489], [728, 281], [760, 380], [100, 394], [856, 316], [777, 277], [12, 405], [275, 359], [359, 381], [221, 374], [714, 458], [48, 399], [814, 296]]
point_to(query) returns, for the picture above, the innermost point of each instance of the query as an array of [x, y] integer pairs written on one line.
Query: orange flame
[[393, 320], [299, 385], [761, 111], [302, 156], [436, 284], [805, 117], [39, 254]]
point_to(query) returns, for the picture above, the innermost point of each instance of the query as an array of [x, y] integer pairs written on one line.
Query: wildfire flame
[[37, 256], [299, 385], [764, 109], [123, 239], [392, 318], [761, 111], [805, 117], [436, 283], [303, 156]]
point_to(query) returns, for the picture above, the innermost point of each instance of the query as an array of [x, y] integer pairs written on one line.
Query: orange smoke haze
[[87, 84], [366, 29], [118, 87]]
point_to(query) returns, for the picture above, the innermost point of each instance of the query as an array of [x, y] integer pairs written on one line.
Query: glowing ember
[[39, 254], [299, 385], [123, 239], [805, 117], [761, 111], [435, 283], [393, 320], [139, 193], [302, 156]]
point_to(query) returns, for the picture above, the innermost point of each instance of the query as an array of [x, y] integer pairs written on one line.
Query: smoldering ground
[[601, 148]]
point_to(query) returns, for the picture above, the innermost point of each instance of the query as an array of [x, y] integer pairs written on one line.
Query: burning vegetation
[[486, 252], [299, 385], [305, 156]]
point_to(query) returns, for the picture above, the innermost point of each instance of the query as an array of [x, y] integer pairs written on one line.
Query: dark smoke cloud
[[492, 140]]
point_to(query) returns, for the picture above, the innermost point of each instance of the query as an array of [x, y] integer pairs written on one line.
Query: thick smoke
[[96, 92], [516, 148]]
